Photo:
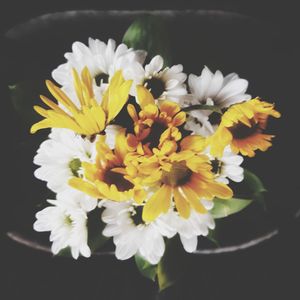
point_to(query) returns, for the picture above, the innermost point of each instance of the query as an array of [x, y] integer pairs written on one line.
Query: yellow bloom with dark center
[[180, 178], [154, 124], [242, 127], [108, 178], [91, 117]]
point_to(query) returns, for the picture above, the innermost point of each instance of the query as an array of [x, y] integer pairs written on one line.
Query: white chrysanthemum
[[189, 229], [164, 83], [67, 222], [60, 157], [212, 89], [102, 60], [131, 236], [228, 166], [77, 199]]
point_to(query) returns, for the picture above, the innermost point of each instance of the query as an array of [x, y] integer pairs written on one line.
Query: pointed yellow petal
[[84, 186], [61, 97], [182, 205], [144, 96], [159, 203]]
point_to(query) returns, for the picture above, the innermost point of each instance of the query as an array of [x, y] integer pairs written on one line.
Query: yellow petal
[[193, 142], [144, 96], [84, 186], [159, 203], [182, 205]]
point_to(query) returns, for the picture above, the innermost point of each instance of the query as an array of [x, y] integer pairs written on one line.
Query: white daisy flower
[[164, 83], [228, 166], [189, 229], [212, 89], [131, 235], [60, 157], [102, 60], [67, 222], [78, 199]]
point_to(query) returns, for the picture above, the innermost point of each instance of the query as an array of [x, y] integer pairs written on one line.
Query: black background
[[270, 271]]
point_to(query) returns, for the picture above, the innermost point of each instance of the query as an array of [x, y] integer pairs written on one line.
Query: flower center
[[156, 86], [68, 220], [216, 166], [122, 184], [215, 118], [136, 215], [75, 165], [241, 131], [179, 175], [101, 78]]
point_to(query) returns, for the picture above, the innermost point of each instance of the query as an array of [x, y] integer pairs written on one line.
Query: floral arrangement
[[151, 150]]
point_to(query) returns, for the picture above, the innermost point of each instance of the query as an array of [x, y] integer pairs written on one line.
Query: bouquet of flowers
[[148, 150]]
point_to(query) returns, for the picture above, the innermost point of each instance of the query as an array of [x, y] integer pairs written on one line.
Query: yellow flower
[[154, 124], [184, 176], [242, 127], [92, 117], [108, 177]]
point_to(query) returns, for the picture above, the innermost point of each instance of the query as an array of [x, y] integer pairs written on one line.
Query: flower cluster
[[150, 146]]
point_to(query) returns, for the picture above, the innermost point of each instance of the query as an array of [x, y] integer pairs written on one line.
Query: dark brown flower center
[[122, 184], [216, 166], [101, 78], [179, 175], [241, 131], [156, 86], [215, 118]]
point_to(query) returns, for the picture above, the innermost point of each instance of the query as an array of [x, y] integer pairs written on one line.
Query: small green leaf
[[223, 208], [149, 33], [66, 252], [145, 268], [213, 237], [255, 186], [213, 108], [163, 277]]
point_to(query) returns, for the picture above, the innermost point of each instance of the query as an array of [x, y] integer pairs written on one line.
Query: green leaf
[[255, 186], [146, 269], [149, 33], [203, 107], [213, 237], [66, 252], [173, 264], [223, 208], [164, 278], [24, 95]]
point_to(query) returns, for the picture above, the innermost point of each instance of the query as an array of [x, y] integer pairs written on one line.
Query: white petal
[[189, 244]]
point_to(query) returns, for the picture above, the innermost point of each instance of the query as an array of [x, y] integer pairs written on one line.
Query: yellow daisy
[[242, 127], [108, 177], [91, 117], [185, 177]]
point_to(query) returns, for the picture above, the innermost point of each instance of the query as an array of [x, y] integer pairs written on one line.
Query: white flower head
[[212, 89], [131, 236], [60, 157], [164, 83], [227, 167], [102, 60], [197, 224], [68, 225]]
